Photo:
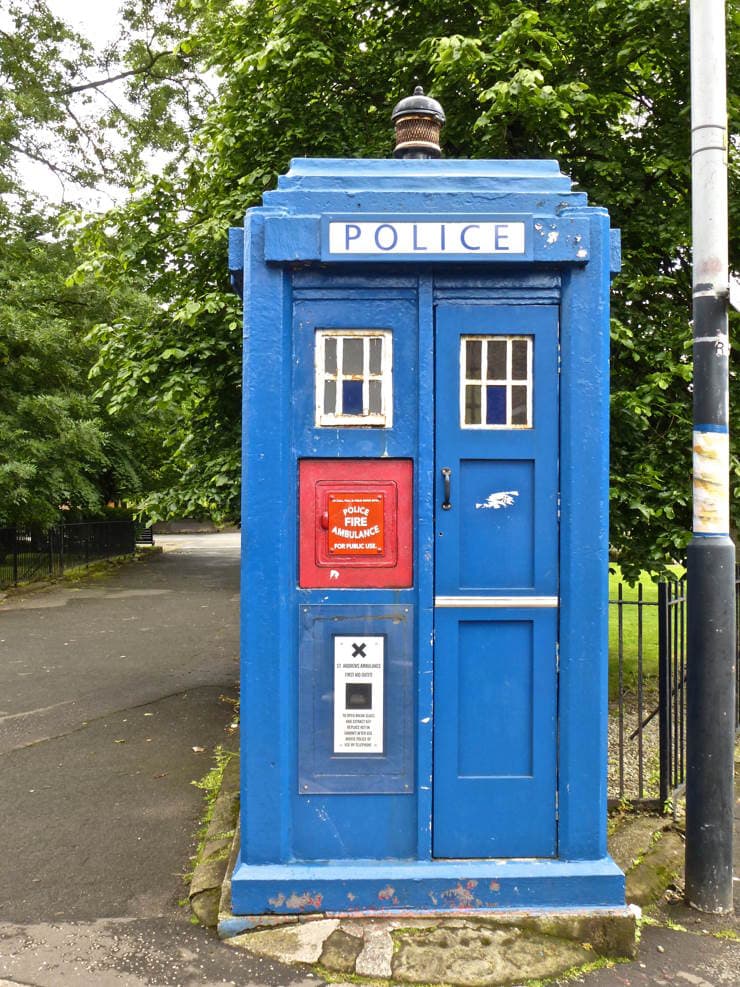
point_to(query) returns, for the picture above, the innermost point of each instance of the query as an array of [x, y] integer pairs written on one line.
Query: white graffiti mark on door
[[502, 498]]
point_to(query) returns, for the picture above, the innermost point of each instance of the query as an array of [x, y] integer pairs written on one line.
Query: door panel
[[483, 529], [496, 581], [494, 672], [495, 733]]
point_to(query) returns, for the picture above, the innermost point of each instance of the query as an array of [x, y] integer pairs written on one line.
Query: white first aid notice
[[358, 693]]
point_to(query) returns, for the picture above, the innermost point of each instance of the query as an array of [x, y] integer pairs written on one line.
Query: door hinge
[[557, 805], [557, 659], [558, 506]]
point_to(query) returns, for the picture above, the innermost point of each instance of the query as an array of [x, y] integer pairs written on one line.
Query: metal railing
[[672, 687], [647, 710], [633, 736], [144, 534], [31, 554]]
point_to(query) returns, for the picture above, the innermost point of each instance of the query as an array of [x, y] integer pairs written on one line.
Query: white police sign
[[454, 237]]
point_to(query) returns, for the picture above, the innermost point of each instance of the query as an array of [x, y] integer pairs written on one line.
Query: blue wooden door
[[496, 581]]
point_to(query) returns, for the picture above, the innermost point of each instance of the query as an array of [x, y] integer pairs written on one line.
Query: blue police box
[[425, 519]]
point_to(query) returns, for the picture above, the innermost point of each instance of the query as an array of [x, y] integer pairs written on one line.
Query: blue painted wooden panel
[[495, 669], [424, 489], [495, 726], [495, 733], [354, 827], [535, 175], [366, 813], [320, 770], [304, 238], [583, 550], [266, 634], [483, 531]]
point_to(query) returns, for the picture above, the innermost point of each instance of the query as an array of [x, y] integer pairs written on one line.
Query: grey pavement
[[672, 957], [106, 687]]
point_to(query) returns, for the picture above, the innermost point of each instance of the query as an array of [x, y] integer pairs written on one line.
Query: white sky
[[97, 19]]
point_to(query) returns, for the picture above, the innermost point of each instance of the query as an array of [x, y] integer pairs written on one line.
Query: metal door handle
[[446, 475]]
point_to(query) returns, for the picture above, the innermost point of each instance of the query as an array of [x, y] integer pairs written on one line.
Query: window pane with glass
[[496, 381], [354, 377]]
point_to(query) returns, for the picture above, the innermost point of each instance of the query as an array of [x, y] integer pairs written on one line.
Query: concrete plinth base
[[420, 886]]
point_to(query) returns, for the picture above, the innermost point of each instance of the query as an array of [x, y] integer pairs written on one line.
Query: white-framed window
[[496, 381], [354, 377]]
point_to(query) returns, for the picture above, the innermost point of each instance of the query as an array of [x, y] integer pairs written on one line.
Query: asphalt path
[[113, 694]]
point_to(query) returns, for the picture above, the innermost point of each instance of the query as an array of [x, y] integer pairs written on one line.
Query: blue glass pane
[[496, 404], [352, 397]]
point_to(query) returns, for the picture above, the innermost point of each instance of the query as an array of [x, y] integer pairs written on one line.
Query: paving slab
[[341, 950], [632, 836], [376, 956], [471, 956], [658, 868], [669, 958], [299, 943]]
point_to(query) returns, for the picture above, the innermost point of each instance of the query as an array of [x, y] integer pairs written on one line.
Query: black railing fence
[[671, 710], [647, 707], [144, 534], [28, 554]]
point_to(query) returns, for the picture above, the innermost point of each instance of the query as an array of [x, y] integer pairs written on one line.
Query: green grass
[[631, 632], [210, 785]]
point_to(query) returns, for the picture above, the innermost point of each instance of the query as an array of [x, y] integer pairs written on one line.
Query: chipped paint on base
[[462, 896], [303, 902], [395, 887]]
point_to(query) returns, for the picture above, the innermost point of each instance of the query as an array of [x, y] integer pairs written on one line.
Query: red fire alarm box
[[355, 523]]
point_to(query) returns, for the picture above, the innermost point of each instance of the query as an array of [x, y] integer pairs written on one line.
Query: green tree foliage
[[601, 85], [60, 445]]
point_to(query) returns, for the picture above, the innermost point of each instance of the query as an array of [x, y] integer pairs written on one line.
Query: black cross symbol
[[358, 650]]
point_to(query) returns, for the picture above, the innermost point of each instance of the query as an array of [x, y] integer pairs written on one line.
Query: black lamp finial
[[418, 120]]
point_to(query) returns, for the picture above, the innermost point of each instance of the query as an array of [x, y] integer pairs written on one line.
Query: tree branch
[[99, 83], [58, 170]]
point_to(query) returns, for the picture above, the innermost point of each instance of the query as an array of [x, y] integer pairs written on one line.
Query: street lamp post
[[710, 731]]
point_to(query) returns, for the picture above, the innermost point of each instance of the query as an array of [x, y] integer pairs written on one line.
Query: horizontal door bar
[[523, 602]]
